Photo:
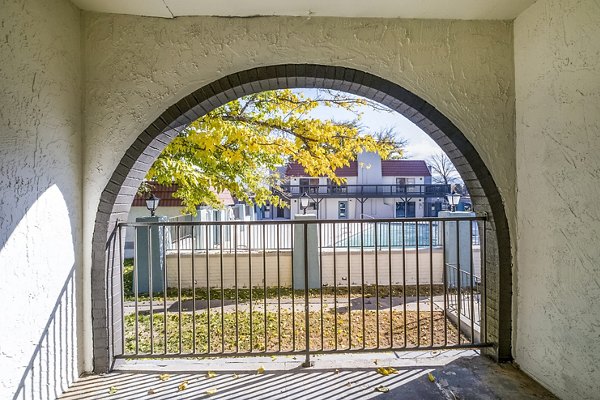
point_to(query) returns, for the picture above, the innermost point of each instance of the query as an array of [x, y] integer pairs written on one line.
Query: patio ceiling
[[435, 9]]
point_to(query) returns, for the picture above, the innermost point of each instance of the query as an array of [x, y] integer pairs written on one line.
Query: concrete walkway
[[455, 374]]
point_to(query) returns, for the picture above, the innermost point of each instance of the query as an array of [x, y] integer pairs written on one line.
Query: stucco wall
[[136, 67], [40, 196], [557, 57]]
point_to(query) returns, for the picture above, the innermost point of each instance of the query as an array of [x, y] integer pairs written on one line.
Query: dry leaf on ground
[[183, 385], [164, 377], [382, 389], [385, 371]]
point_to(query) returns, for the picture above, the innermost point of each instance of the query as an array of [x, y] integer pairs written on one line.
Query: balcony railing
[[389, 190], [297, 287]]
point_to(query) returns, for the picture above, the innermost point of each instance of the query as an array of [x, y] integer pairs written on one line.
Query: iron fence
[[298, 287]]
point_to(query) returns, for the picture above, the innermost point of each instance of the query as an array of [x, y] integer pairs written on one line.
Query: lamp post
[[453, 200], [304, 202], [152, 204]]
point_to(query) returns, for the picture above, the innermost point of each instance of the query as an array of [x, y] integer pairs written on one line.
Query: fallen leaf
[[260, 370], [382, 389], [151, 391], [385, 371], [182, 386], [337, 371], [113, 390], [211, 391], [273, 358], [431, 377], [211, 374], [375, 362], [164, 377], [235, 376]]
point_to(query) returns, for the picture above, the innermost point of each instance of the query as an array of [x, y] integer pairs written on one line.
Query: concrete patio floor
[[458, 375]]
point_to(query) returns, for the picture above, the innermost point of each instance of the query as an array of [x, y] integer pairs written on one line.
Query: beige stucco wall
[[137, 67], [272, 262], [40, 197], [557, 57]]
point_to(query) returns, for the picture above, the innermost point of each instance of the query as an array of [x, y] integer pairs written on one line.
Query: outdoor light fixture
[[453, 199], [305, 201], [152, 204]]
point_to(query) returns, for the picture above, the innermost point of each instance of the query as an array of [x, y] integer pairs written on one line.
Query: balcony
[[389, 190], [379, 288]]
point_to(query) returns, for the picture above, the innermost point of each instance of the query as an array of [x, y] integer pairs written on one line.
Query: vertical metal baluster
[[375, 227], [431, 277], [362, 282], [122, 262], [445, 272], [250, 226], [207, 256], [193, 293], [390, 293], [264, 251], [292, 227], [418, 293], [321, 280], [404, 282], [179, 288], [165, 292], [136, 292], [472, 310], [277, 234], [483, 256], [110, 277], [306, 304], [235, 284], [335, 329], [349, 291], [221, 227], [150, 291], [458, 273]]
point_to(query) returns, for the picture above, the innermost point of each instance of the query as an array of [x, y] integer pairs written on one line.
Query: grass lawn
[[220, 330]]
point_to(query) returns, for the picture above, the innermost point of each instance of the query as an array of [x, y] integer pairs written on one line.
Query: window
[[335, 188], [405, 209], [309, 185], [342, 209], [401, 184]]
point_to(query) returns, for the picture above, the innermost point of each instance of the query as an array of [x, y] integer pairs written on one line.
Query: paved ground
[[455, 374]]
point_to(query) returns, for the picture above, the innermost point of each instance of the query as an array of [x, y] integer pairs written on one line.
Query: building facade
[[374, 188]]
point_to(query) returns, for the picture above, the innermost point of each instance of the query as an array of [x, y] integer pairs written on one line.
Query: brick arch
[[118, 194]]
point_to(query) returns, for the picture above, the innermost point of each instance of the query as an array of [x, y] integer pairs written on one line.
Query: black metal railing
[[298, 287], [388, 190]]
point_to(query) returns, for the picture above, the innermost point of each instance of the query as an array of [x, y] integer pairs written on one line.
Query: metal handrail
[[307, 222]]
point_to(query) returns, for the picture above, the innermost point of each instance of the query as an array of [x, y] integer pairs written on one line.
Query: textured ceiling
[[436, 9]]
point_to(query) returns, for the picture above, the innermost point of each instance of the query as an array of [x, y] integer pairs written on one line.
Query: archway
[[119, 192]]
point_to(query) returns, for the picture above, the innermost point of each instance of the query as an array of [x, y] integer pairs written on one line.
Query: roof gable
[[404, 168]]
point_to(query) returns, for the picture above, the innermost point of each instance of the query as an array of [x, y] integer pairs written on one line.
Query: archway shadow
[[455, 378]]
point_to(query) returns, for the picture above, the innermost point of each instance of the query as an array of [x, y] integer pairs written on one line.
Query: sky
[[420, 145]]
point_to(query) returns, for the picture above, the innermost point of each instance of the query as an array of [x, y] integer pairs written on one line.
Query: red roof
[[165, 194], [295, 169], [404, 168]]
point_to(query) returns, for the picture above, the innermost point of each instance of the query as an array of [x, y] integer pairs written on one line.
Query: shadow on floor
[[464, 378]]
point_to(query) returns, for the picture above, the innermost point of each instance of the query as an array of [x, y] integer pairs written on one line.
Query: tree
[[238, 146], [442, 169]]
